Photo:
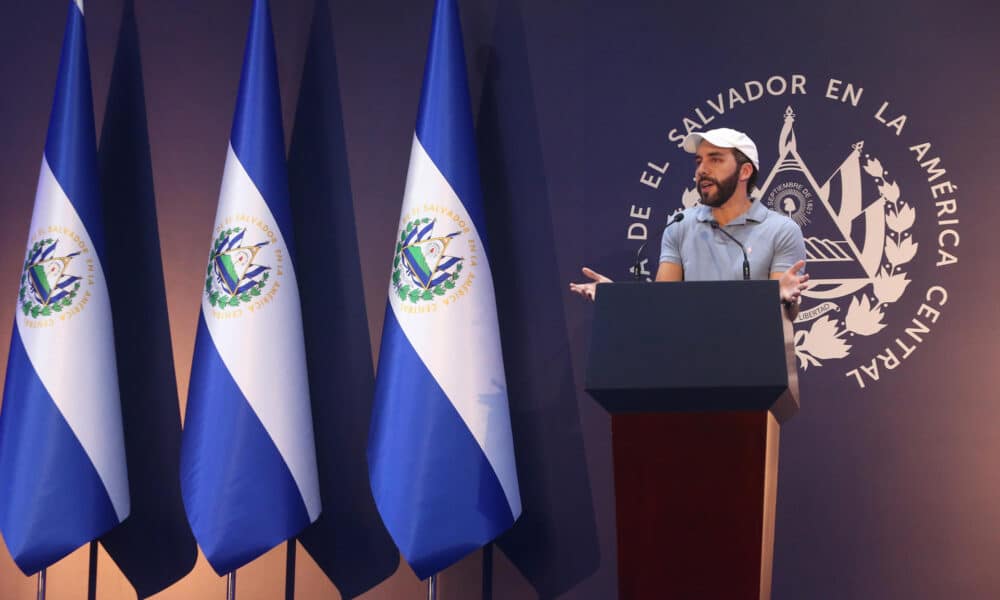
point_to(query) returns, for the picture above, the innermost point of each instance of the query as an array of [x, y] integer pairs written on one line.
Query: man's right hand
[[589, 289]]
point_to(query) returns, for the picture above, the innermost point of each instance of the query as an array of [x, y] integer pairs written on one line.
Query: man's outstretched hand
[[589, 289], [791, 284]]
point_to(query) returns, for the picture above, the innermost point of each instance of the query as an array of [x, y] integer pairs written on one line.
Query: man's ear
[[746, 170]]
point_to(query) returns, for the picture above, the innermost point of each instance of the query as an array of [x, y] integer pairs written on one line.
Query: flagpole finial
[[79, 4]]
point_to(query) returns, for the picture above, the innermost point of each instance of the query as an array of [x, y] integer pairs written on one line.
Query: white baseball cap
[[724, 138]]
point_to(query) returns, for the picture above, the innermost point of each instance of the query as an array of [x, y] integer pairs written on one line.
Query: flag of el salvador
[[248, 461], [63, 479], [440, 453]]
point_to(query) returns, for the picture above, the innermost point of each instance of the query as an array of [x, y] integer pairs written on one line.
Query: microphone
[[746, 260], [637, 267]]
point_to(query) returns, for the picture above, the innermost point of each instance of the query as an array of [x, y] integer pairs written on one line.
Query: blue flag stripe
[[254, 502], [407, 470], [40, 514], [257, 137], [71, 146]]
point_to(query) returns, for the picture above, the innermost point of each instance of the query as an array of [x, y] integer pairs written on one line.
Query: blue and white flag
[[154, 547], [440, 452], [248, 462], [63, 479]]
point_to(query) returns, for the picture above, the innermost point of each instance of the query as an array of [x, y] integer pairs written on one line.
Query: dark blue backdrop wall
[[887, 475]]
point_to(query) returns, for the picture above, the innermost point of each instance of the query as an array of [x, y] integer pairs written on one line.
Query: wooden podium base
[[695, 501]]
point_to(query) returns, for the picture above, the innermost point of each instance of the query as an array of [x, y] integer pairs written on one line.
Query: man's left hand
[[791, 284]]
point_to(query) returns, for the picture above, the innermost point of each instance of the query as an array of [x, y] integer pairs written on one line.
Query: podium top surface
[[689, 346]]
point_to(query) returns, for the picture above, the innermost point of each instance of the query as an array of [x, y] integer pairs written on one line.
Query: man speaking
[[729, 235]]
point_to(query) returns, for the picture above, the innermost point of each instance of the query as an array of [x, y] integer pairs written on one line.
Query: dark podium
[[698, 377]]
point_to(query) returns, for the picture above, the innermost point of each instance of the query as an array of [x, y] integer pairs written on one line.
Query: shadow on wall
[[554, 544], [348, 541]]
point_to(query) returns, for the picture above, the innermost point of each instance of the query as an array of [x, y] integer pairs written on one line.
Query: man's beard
[[724, 190]]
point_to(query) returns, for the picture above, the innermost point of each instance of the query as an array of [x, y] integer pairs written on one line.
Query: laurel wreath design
[[223, 301], [825, 339], [28, 306], [414, 294]]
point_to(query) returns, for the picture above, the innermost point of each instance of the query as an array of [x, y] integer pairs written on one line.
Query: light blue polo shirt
[[773, 243]]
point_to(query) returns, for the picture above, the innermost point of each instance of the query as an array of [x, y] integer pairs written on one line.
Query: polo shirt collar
[[756, 213]]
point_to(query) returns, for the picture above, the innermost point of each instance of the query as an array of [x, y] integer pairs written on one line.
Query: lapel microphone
[[746, 260]]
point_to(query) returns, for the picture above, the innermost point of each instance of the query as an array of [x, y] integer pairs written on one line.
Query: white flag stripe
[[460, 342], [276, 386], [75, 358]]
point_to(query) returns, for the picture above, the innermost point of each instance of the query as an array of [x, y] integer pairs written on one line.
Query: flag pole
[[92, 572], [432, 592], [231, 585], [488, 571], [41, 585], [290, 570]]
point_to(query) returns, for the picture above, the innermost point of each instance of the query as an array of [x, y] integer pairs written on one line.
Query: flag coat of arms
[[440, 451], [248, 461], [63, 475]]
